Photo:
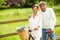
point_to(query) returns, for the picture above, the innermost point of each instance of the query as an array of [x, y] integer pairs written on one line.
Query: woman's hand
[[37, 28], [29, 17]]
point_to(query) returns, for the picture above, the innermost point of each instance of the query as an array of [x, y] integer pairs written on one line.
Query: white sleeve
[[28, 25], [53, 19], [28, 22]]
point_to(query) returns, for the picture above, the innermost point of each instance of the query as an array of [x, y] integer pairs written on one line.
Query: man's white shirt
[[48, 18]]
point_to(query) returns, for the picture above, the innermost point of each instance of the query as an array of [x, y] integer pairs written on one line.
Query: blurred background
[[14, 13]]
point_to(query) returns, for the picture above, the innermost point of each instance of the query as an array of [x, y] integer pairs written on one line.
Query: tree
[[52, 2], [57, 2]]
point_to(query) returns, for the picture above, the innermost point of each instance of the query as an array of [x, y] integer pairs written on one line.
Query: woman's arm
[[39, 23]]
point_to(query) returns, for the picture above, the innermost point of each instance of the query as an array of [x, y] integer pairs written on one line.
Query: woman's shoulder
[[30, 16]]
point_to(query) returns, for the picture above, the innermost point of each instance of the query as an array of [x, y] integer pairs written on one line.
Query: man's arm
[[53, 21]]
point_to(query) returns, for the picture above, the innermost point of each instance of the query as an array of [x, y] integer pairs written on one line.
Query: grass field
[[21, 13]]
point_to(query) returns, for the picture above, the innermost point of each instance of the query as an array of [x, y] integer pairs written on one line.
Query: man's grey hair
[[42, 2]]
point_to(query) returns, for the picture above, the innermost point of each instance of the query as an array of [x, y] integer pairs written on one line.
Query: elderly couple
[[42, 23]]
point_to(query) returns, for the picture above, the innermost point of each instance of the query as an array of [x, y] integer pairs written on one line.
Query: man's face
[[35, 9], [43, 7]]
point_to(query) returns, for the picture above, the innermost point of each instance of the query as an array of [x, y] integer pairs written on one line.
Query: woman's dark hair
[[34, 6]]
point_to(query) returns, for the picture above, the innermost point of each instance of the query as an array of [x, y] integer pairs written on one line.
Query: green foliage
[[50, 2], [57, 2], [2, 2], [37, 1], [29, 3]]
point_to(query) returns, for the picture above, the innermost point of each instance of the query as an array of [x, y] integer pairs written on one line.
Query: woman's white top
[[35, 22]]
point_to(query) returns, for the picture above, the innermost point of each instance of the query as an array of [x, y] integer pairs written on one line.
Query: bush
[[2, 2]]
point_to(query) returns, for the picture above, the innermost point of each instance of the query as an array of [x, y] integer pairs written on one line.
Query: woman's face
[[35, 9]]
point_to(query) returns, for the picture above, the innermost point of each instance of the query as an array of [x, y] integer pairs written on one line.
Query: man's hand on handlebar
[[49, 31]]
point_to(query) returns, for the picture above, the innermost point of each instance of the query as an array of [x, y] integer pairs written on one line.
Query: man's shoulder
[[49, 9]]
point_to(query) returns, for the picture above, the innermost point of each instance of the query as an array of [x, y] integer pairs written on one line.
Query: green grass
[[16, 37], [57, 30], [21, 13], [9, 28], [58, 20], [11, 14]]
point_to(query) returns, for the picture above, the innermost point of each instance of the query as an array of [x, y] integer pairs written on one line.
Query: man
[[48, 21]]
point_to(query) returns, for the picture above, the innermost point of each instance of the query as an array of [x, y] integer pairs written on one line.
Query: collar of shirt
[[35, 15]]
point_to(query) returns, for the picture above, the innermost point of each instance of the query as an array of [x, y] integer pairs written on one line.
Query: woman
[[35, 24]]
